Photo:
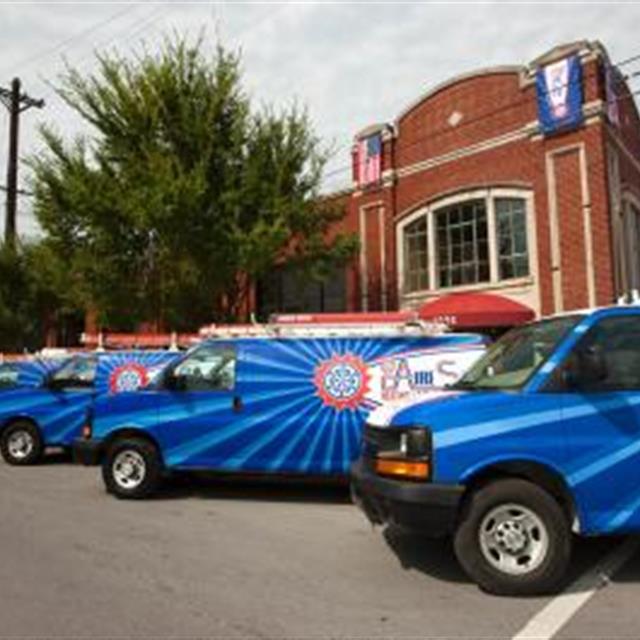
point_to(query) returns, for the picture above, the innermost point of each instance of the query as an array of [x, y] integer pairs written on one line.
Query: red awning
[[475, 310]]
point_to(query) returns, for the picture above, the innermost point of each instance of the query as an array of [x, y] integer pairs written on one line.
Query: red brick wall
[[571, 229], [492, 105], [370, 202], [509, 165], [601, 228]]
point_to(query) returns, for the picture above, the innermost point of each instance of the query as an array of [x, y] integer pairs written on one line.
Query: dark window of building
[[416, 256], [285, 290], [511, 230], [462, 244]]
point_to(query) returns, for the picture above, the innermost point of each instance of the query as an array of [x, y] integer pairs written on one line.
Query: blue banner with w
[[559, 91]]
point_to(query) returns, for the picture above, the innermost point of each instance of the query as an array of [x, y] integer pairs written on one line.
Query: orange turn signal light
[[402, 468]]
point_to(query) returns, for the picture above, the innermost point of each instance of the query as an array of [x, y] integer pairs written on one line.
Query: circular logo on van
[[341, 381], [128, 377]]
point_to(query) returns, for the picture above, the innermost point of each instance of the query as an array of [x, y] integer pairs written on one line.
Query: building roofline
[[476, 73], [555, 53], [562, 50], [378, 127], [337, 193]]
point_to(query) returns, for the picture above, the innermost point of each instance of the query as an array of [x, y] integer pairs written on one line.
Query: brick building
[[476, 192]]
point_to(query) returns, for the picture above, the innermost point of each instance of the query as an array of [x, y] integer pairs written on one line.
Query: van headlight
[[402, 452], [415, 443]]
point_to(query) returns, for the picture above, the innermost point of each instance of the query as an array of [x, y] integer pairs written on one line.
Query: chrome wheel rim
[[20, 444], [129, 469], [513, 539]]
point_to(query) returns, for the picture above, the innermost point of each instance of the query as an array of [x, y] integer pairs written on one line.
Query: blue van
[[45, 401], [29, 371], [270, 404], [541, 437]]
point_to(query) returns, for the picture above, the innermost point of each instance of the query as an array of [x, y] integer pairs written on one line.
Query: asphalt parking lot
[[220, 558]]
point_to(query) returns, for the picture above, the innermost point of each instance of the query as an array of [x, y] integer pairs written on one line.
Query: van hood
[[390, 412], [449, 410]]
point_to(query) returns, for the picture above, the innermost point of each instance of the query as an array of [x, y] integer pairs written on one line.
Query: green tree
[[12, 290], [29, 305], [184, 196]]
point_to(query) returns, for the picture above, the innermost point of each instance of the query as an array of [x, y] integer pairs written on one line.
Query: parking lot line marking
[[548, 621]]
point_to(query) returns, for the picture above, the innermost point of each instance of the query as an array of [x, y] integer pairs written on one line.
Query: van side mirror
[[55, 384], [175, 382]]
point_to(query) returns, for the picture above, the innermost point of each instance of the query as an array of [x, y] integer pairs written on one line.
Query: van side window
[[78, 372], [608, 357], [8, 375], [208, 369]]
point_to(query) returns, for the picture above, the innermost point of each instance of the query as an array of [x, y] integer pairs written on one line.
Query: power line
[[151, 20], [65, 43], [627, 61], [148, 22], [154, 16], [139, 25], [117, 35]]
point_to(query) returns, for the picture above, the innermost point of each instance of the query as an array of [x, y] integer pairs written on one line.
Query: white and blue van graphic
[[268, 404], [540, 437], [46, 406]]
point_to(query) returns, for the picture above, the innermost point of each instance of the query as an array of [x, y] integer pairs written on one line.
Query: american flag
[[369, 160]]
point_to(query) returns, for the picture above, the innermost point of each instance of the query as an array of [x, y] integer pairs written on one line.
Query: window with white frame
[[480, 238], [462, 244], [511, 229]]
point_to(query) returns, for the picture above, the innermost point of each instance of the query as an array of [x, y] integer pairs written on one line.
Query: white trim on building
[[521, 289]]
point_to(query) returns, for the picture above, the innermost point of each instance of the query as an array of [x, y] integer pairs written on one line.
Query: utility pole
[[16, 103]]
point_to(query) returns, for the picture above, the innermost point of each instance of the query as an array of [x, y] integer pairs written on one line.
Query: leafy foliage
[[184, 197], [28, 281]]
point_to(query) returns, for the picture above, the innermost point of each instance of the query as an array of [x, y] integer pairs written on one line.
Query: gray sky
[[351, 63]]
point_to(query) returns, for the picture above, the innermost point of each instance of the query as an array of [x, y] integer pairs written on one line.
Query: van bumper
[[87, 452], [431, 509]]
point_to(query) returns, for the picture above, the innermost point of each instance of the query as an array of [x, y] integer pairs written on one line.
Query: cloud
[[352, 64]]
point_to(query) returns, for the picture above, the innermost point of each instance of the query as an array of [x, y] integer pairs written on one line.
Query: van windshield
[[8, 375], [512, 360]]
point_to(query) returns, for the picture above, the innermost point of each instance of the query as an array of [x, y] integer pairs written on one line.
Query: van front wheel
[[132, 468], [514, 539], [21, 443]]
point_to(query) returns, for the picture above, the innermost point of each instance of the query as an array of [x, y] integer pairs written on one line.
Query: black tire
[[21, 444], [548, 563], [132, 451]]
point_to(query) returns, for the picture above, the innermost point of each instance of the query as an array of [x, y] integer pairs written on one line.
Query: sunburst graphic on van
[[342, 381], [130, 376]]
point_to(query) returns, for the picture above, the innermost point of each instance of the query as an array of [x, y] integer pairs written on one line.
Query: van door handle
[[237, 403]]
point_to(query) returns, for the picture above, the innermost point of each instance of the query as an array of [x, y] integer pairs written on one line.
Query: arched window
[[462, 244], [474, 238]]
